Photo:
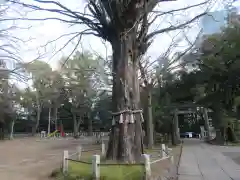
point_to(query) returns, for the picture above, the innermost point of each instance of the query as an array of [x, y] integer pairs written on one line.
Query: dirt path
[[31, 158]]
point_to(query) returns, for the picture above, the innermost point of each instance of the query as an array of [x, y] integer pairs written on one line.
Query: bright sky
[[42, 32]]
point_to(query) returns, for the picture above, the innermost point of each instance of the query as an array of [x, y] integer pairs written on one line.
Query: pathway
[[201, 161]]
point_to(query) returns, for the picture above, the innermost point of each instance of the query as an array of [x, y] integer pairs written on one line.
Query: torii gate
[[191, 108]]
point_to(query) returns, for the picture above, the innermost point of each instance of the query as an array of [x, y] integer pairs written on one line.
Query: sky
[[39, 33]]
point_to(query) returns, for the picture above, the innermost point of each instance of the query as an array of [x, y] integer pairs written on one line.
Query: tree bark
[[125, 142]]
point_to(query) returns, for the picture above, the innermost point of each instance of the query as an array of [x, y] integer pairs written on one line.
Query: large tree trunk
[[149, 121], [125, 142]]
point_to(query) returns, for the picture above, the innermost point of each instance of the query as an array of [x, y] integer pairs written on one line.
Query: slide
[[61, 131], [52, 134], [62, 134]]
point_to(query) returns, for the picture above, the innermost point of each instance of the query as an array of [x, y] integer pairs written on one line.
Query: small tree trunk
[[11, 129], [145, 115], [176, 127], [150, 129], [173, 136], [125, 142], [49, 120], [2, 124], [61, 125], [206, 122], [90, 128], [56, 117], [218, 122], [33, 130], [39, 109], [75, 126], [79, 123]]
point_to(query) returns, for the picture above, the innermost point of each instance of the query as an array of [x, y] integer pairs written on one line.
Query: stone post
[[163, 150], [65, 162], [79, 152], [147, 166], [103, 149], [95, 167]]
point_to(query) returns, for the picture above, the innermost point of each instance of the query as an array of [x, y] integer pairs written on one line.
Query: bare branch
[[77, 17], [79, 40], [149, 75], [175, 10], [172, 28]]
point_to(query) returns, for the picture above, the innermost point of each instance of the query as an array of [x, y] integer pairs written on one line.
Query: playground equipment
[[43, 134], [61, 131], [53, 134]]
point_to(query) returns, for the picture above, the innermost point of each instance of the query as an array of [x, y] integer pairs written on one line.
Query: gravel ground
[[33, 159]]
